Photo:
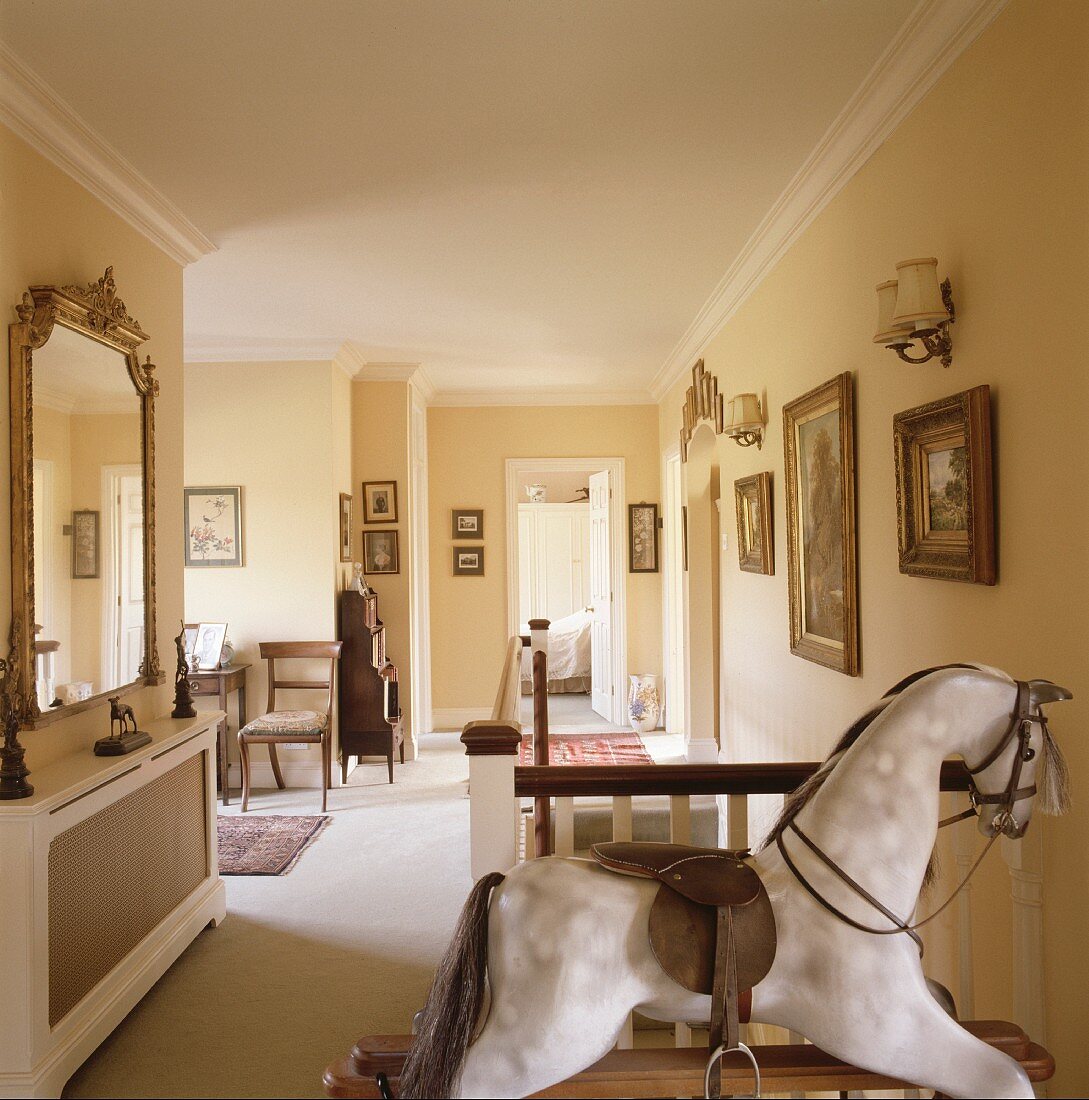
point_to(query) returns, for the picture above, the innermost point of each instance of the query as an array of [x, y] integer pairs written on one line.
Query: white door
[[129, 564], [601, 598]]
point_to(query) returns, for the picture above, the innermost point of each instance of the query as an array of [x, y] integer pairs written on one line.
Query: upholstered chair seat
[[288, 724]]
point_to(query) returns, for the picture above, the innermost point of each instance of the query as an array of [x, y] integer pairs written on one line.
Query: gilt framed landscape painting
[[213, 526], [944, 488], [822, 577]]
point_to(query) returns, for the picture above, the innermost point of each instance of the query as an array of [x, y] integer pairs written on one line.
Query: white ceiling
[[516, 194]]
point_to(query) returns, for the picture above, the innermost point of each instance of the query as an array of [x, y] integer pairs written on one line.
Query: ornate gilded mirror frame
[[97, 312]]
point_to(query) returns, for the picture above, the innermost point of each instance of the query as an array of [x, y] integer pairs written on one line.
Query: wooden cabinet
[[368, 707], [554, 560]]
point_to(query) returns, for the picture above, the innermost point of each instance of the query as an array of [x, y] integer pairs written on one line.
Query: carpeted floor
[[305, 963]]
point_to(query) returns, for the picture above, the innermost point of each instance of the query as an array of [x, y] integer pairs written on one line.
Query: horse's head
[[1023, 758]]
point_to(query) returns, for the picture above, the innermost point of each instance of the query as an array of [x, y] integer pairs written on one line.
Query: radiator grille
[[116, 875]]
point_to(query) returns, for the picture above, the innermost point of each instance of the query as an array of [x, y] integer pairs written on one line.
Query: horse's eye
[[1028, 754]]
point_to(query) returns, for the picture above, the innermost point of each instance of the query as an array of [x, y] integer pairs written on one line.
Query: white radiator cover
[[107, 873]]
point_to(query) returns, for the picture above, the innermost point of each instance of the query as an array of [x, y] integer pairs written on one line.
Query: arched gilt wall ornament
[[701, 402]]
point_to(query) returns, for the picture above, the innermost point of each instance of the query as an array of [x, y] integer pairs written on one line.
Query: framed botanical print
[[642, 538], [213, 526], [468, 561], [379, 502], [466, 523], [84, 545], [345, 526], [752, 499], [381, 552], [822, 578], [944, 488]]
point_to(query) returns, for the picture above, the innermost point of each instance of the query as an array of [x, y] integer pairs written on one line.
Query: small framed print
[[380, 552], [213, 526], [379, 502], [642, 538], [345, 526], [752, 498], [944, 488], [468, 561], [467, 523], [84, 545], [208, 646]]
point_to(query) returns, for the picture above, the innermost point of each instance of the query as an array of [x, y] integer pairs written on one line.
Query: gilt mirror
[[83, 495]]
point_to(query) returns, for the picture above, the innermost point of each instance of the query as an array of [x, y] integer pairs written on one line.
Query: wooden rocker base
[[679, 1072]]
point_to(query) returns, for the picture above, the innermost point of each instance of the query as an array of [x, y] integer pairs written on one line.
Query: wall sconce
[[914, 307], [745, 425]]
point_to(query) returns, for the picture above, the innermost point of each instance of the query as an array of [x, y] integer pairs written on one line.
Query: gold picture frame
[[822, 570], [945, 490], [752, 500]]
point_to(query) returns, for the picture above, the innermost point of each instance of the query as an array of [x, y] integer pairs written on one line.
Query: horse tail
[[448, 1022]]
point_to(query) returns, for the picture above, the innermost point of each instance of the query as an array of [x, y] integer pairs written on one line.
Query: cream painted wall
[[991, 174], [269, 427], [380, 453], [54, 231], [467, 448]]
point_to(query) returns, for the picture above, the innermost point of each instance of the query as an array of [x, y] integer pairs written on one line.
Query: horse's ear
[[1044, 691]]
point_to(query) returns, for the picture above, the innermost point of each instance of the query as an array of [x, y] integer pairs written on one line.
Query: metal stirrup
[[718, 1053]]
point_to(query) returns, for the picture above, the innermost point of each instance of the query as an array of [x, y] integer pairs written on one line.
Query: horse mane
[[803, 795]]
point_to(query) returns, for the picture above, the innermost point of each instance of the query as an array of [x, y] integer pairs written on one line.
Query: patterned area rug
[[591, 748], [268, 845]]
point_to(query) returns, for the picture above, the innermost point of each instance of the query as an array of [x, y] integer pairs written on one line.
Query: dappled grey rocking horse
[[814, 933]]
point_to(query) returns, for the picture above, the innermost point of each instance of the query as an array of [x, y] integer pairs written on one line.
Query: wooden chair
[[292, 727]]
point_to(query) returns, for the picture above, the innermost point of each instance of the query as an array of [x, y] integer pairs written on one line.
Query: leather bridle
[[1020, 727]]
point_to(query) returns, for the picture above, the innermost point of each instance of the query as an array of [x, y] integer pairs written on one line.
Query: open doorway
[[565, 562], [123, 573], [673, 607]]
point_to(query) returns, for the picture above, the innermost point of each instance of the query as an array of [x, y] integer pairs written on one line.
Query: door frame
[[674, 604], [420, 718], [517, 471]]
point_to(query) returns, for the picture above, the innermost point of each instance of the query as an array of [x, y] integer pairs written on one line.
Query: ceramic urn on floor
[[644, 703]]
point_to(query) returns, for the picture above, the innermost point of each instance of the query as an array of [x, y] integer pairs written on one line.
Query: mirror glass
[[88, 520]]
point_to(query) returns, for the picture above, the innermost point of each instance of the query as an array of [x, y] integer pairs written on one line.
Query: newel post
[[492, 748]]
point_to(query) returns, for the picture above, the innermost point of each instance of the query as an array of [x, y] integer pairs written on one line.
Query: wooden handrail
[[575, 780]]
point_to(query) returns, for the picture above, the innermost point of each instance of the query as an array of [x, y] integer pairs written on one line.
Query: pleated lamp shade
[[887, 332], [744, 414], [919, 302]]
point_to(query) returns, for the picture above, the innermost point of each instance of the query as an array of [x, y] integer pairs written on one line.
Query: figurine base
[[186, 710], [118, 746]]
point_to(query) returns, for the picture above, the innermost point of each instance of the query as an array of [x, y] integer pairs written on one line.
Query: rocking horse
[[813, 933]]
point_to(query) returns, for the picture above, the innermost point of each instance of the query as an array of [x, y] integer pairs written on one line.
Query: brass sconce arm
[[936, 342], [747, 439]]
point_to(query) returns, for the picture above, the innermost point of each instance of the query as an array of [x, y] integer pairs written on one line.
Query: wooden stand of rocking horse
[[680, 1072]]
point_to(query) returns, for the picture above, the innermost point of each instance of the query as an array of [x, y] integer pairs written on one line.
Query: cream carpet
[[304, 964]]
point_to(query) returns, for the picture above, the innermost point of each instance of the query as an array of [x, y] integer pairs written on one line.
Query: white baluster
[[964, 844], [680, 819], [737, 821], [622, 817], [565, 826], [1025, 861]]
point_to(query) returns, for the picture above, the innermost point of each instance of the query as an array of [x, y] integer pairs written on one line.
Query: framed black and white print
[[468, 561], [467, 523], [379, 501], [381, 553]]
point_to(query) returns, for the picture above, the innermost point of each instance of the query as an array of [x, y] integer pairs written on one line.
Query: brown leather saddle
[[712, 928]]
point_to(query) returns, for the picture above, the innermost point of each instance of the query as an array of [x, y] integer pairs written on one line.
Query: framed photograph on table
[[84, 545], [752, 500], [381, 552], [468, 561], [345, 526], [944, 488], [467, 523], [208, 646], [822, 577], [642, 538], [213, 526], [379, 502]]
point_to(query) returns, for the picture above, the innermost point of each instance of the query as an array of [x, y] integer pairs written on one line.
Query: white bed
[[568, 655]]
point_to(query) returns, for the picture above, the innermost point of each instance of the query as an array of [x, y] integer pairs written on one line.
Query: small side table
[[220, 684]]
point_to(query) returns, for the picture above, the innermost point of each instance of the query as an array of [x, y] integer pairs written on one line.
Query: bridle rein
[[1020, 727]]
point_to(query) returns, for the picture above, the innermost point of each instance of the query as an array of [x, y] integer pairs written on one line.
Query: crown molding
[[935, 34], [226, 349], [540, 397], [33, 111]]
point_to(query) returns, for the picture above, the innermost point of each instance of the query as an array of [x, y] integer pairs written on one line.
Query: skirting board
[[456, 718], [301, 774], [116, 996]]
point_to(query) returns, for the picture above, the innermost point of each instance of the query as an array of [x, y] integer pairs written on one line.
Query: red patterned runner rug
[[264, 845], [590, 748]]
